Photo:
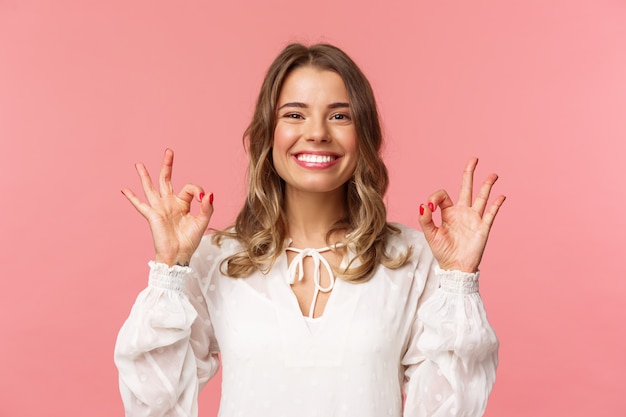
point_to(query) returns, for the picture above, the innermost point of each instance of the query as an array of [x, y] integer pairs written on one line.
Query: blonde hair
[[261, 226]]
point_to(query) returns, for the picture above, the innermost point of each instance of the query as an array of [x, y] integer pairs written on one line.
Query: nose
[[317, 131]]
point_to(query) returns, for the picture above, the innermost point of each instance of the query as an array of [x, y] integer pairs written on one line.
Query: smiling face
[[315, 146]]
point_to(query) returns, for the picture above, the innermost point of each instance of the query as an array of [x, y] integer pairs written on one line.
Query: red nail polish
[[201, 196], [431, 206], [421, 209], [211, 198]]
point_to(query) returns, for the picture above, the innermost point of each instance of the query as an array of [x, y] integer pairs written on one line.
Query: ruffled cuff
[[167, 277], [457, 282], [454, 320]]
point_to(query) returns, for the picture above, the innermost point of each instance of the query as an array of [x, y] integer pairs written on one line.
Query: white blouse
[[415, 330]]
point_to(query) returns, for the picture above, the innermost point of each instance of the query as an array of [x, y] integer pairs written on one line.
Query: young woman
[[316, 305]]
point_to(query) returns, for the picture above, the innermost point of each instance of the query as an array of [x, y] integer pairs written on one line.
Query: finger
[[189, 192], [165, 176], [483, 194], [440, 199], [206, 210], [465, 196], [146, 183], [491, 213], [141, 207], [426, 222]]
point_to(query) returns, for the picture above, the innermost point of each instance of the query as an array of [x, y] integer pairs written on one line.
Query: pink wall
[[537, 89]]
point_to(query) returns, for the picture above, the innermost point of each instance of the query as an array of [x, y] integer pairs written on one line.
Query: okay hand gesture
[[176, 233], [459, 242]]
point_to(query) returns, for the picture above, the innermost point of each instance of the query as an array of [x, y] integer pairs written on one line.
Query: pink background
[[536, 89]]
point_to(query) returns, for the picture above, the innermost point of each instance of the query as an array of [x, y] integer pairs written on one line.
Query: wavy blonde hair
[[261, 226]]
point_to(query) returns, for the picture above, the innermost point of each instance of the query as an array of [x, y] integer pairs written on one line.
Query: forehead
[[313, 83]]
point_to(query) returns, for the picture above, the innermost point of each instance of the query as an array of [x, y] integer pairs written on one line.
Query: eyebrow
[[304, 105]]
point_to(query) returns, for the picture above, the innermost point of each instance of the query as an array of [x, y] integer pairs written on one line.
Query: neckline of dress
[[295, 270]]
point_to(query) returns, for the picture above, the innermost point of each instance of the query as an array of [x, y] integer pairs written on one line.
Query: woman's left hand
[[459, 242]]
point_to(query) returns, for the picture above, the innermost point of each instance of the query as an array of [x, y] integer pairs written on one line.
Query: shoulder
[[219, 246], [403, 236], [408, 238], [212, 251]]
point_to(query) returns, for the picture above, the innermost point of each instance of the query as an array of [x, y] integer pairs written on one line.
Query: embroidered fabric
[[296, 270]]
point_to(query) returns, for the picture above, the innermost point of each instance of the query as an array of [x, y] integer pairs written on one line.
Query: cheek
[[352, 146], [350, 141], [284, 136], [280, 147]]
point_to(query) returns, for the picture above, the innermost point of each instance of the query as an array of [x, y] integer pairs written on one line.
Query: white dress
[[415, 330]]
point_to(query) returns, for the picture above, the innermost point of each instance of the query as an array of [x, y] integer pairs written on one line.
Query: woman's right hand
[[176, 233]]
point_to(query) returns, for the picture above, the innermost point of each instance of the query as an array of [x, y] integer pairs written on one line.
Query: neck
[[311, 215]]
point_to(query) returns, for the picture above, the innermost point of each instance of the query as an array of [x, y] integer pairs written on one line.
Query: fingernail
[[421, 209], [431, 206], [211, 198], [201, 196]]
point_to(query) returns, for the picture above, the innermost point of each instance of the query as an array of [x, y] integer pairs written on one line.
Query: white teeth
[[319, 159]]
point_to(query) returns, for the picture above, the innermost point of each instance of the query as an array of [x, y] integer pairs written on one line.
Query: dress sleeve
[[452, 355], [166, 351]]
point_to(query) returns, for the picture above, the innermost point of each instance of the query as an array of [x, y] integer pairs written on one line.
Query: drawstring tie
[[296, 270]]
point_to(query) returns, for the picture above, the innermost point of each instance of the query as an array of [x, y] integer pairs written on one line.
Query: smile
[[315, 159]]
